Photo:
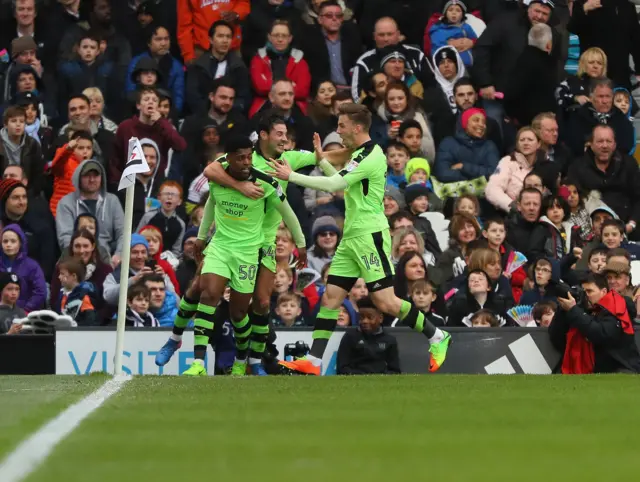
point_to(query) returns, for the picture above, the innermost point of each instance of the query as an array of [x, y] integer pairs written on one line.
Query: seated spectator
[[452, 29], [619, 278], [523, 230], [624, 102], [400, 106], [408, 239], [171, 70], [35, 220], [138, 268], [83, 247], [90, 69], [153, 235], [320, 108], [468, 204], [463, 229], [186, 270], [410, 269], [489, 261], [75, 294], [531, 87], [397, 159], [90, 196], [545, 273], [394, 64], [543, 313], [599, 213], [449, 70], [375, 91], [422, 225], [574, 91], [598, 111], [467, 155], [368, 349], [326, 236], [613, 236], [36, 122], [423, 294], [597, 260], [289, 311], [258, 23], [24, 58], [89, 222], [560, 236], [483, 319], [65, 163], [17, 147], [148, 124], [138, 304], [596, 338], [417, 172], [218, 62], [165, 218], [277, 61], [33, 287], [96, 110], [478, 296], [163, 303], [145, 74], [9, 309], [579, 214], [393, 201]]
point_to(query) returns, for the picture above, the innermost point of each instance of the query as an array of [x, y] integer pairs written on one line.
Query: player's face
[[347, 130], [240, 163], [278, 139]]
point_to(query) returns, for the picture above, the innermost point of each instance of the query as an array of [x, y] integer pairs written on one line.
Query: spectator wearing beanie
[[393, 62], [453, 26], [468, 154], [186, 270], [449, 69], [326, 236], [418, 171], [14, 259], [393, 201], [9, 310], [412, 195]]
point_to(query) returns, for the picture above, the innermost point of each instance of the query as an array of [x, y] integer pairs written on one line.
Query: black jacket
[[411, 16], [366, 354], [497, 50], [619, 186], [595, 30], [314, 46], [580, 124], [526, 237], [259, 21], [609, 329], [423, 226], [201, 74], [464, 304], [532, 86], [31, 161]]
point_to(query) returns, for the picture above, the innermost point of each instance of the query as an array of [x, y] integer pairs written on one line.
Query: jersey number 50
[[247, 271]]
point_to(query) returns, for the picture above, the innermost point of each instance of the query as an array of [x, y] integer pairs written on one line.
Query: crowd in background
[[508, 128]]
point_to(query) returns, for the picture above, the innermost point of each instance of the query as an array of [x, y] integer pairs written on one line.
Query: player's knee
[[385, 303], [237, 313], [331, 302], [261, 305]]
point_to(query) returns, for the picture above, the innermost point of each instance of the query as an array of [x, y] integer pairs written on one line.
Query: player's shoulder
[[368, 151], [267, 181]]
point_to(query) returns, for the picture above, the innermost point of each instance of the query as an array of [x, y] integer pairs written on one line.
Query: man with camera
[[595, 333]]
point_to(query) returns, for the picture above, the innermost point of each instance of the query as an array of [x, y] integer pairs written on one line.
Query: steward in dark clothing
[[614, 28], [497, 50], [531, 87], [365, 354], [599, 340], [619, 185], [580, 124]]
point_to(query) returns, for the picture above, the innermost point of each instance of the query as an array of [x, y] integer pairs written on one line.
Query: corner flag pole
[[136, 163]]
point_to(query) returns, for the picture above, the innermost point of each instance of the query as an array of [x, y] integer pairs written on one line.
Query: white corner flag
[[136, 164]]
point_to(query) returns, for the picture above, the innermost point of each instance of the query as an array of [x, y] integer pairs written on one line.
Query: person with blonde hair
[[409, 239], [574, 90], [96, 110]]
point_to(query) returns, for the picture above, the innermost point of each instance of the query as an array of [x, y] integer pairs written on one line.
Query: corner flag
[[136, 164]]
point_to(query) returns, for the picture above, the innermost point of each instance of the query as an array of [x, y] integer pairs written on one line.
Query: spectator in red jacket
[[277, 61]]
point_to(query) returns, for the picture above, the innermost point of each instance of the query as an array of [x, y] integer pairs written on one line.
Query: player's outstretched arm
[[207, 218], [282, 170], [291, 220], [216, 173]]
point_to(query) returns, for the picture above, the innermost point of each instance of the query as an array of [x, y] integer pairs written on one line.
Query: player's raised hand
[[317, 147], [251, 190], [302, 258], [281, 168]]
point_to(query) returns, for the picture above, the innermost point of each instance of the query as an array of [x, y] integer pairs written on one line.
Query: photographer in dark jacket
[[596, 338], [368, 349]]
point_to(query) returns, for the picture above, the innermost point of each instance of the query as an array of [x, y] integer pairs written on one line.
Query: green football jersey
[[238, 218], [365, 175], [297, 160]]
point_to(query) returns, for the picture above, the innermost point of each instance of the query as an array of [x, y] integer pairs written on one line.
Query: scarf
[[578, 357], [140, 321], [602, 118], [32, 130]]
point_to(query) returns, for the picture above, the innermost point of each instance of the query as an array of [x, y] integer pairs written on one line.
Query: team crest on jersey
[[279, 191], [352, 165]]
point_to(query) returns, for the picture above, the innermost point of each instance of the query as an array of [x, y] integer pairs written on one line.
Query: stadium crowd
[[507, 125]]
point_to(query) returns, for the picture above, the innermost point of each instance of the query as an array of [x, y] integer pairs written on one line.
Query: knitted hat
[[192, 232], [450, 3], [445, 53], [8, 278], [466, 115], [6, 188], [137, 239], [548, 3], [22, 44], [24, 99], [617, 267], [414, 191], [414, 164], [325, 224], [391, 52], [395, 194], [332, 138]]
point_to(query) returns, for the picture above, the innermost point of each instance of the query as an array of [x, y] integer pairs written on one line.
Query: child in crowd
[[545, 273], [196, 216], [89, 222], [411, 135], [468, 203], [598, 260], [543, 313], [145, 74], [613, 236], [348, 315], [484, 319], [418, 171], [36, 122], [397, 159], [562, 236], [165, 104], [423, 294], [75, 295], [283, 280], [358, 291], [9, 310], [285, 248], [165, 218], [66, 161], [165, 259], [622, 100], [417, 198], [452, 26], [579, 214], [138, 301], [368, 349], [289, 310]]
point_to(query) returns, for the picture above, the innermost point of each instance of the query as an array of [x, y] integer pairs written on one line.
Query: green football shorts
[[366, 257], [240, 268], [268, 255]]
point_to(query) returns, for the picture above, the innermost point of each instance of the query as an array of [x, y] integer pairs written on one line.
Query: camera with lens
[[562, 290], [295, 350]]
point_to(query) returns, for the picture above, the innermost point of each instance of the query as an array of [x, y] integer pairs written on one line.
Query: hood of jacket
[[75, 179], [555, 270], [15, 73], [151, 143], [23, 239], [146, 64], [622, 89], [12, 151], [447, 85]]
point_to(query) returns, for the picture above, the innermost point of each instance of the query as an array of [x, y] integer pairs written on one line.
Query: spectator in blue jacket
[[163, 303], [468, 154], [453, 26], [159, 43]]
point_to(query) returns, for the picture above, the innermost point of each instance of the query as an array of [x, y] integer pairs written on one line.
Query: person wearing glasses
[[545, 273], [165, 217]]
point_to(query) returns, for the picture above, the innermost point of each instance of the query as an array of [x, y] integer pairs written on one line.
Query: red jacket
[[196, 16], [162, 133], [164, 264], [262, 79]]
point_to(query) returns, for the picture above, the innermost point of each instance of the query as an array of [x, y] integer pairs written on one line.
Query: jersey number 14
[[371, 260]]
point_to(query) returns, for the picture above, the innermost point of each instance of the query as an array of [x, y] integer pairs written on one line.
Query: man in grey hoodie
[[91, 196]]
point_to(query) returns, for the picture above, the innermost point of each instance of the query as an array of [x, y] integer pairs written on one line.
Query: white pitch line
[[33, 451]]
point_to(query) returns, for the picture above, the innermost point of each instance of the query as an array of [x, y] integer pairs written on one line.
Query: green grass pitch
[[404, 428]]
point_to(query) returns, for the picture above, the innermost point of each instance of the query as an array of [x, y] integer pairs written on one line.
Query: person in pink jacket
[[506, 182]]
